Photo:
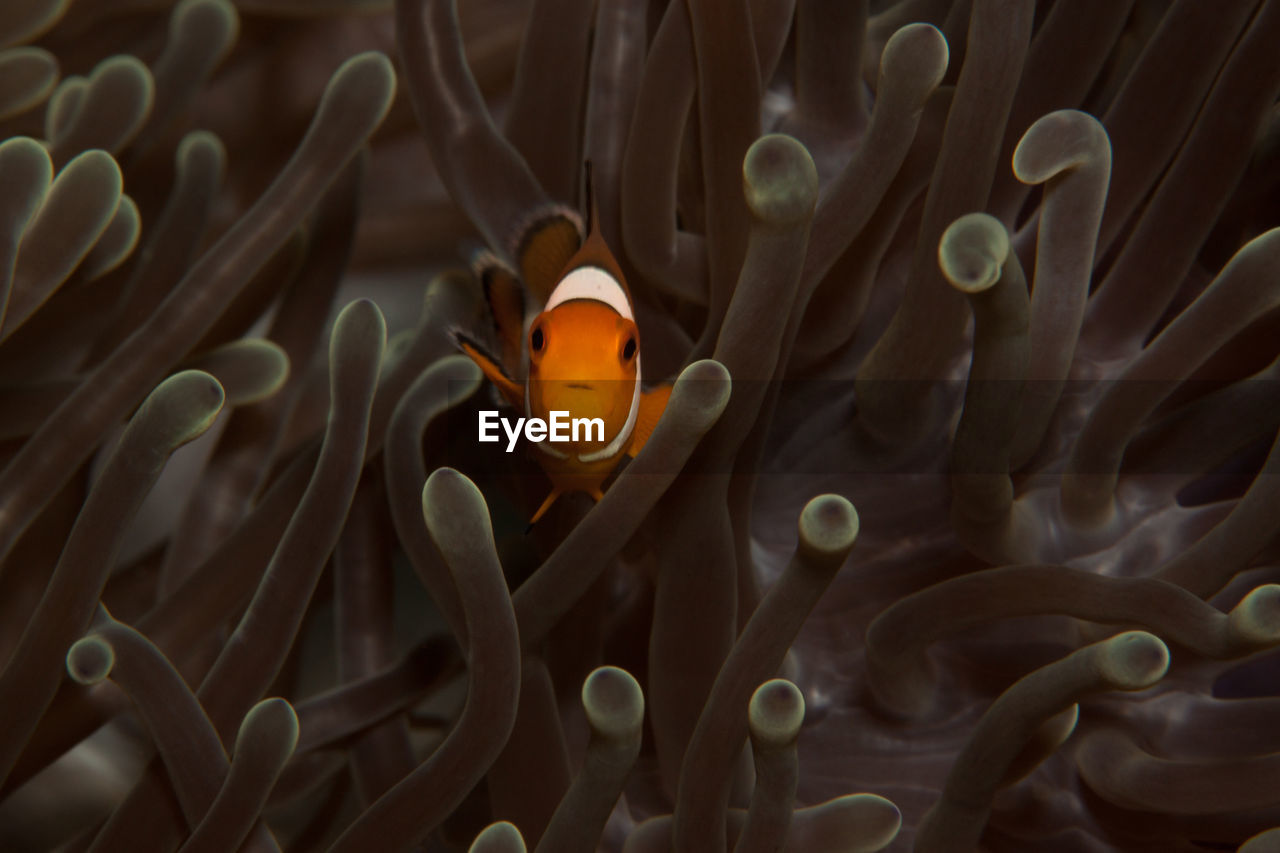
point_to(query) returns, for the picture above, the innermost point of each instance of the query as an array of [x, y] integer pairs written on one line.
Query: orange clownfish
[[580, 353]]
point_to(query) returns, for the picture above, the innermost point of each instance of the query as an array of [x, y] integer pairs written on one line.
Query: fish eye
[[629, 349], [536, 340]]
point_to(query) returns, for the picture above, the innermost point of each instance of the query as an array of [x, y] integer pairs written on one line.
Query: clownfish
[[579, 354]]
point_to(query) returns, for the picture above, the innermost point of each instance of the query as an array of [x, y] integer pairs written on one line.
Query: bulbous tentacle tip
[[185, 404], [31, 20], [828, 526], [779, 179], [1134, 660], [972, 252], [1056, 142], [922, 48], [703, 388], [500, 837], [265, 367], [34, 71], [90, 660], [360, 324], [613, 701], [868, 822], [445, 494], [200, 143], [28, 155], [128, 68], [372, 63], [366, 83], [1256, 619], [705, 370], [444, 479], [272, 721], [222, 11], [116, 243], [775, 713], [98, 169], [888, 823]]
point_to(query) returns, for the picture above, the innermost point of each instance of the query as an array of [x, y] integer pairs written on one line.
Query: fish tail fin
[[652, 404]]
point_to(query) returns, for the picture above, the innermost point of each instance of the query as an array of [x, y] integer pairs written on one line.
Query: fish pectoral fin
[[505, 298], [511, 390], [652, 404], [547, 241]]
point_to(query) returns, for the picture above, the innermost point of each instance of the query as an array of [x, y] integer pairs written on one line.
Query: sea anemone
[[958, 532]]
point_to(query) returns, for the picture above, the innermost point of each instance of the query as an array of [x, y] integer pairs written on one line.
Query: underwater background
[[959, 531]]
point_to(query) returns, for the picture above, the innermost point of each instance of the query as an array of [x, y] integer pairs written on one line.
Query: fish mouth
[[579, 385]]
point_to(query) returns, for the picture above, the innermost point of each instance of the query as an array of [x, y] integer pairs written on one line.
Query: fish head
[[584, 359]]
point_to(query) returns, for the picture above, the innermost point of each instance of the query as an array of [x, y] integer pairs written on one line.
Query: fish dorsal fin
[[594, 251], [505, 299], [512, 391], [545, 248], [593, 209], [652, 404]]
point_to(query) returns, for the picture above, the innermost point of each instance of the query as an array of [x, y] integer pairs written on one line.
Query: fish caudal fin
[[652, 404], [511, 390]]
